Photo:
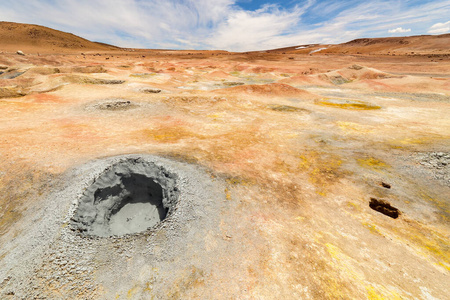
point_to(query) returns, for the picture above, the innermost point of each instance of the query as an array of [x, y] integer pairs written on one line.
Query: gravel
[[438, 163]]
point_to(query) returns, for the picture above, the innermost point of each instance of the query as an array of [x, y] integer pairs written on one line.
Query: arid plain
[[288, 148]]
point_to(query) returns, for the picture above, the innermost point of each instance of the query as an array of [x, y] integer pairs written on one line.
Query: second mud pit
[[129, 197]]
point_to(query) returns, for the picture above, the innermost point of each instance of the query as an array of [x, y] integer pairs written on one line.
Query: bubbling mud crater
[[129, 197]]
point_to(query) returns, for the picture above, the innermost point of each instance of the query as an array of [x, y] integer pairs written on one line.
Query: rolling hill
[[422, 44], [36, 38]]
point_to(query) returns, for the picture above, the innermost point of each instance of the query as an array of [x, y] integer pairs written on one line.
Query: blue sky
[[255, 4], [235, 25]]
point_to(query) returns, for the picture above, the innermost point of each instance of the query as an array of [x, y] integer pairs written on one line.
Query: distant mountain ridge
[[35, 38], [420, 44]]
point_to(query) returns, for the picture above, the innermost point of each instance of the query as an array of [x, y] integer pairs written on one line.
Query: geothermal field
[[310, 172]]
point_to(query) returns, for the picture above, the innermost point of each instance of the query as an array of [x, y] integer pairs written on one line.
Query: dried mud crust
[[51, 261]]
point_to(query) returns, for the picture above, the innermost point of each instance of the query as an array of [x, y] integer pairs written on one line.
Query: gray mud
[[48, 259], [128, 197]]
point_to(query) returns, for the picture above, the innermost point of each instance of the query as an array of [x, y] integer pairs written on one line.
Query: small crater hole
[[127, 198]]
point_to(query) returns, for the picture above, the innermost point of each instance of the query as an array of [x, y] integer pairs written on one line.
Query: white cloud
[[440, 28], [244, 30], [221, 24], [399, 30], [123, 22]]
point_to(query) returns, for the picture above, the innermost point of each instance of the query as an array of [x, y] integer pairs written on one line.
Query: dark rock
[[384, 207], [11, 74], [150, 91], [385, 185], [356, 67]]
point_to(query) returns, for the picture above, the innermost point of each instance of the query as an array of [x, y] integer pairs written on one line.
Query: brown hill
[[36, 38], [422, 44]]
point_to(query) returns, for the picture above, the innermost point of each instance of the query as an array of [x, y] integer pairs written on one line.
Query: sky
[[233, 25]]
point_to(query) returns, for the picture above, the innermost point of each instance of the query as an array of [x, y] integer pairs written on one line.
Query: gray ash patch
[[438, 163], [114, 104]]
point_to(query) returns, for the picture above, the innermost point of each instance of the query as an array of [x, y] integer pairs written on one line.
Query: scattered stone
[[436, 160], [89, 69], [106, 81], [356, 67], [338, 80], [384, 207], [11, 92], [11, 74], [5, 281], [232, 83], [44, 70], [438, 163], [385, 185], [20, 53], [116, 105], [90, 80], [150, 90], [142, 75], [286, 108]]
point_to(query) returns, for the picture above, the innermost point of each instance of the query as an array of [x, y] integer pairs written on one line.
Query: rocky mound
[[354, 73], [272, 89]]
